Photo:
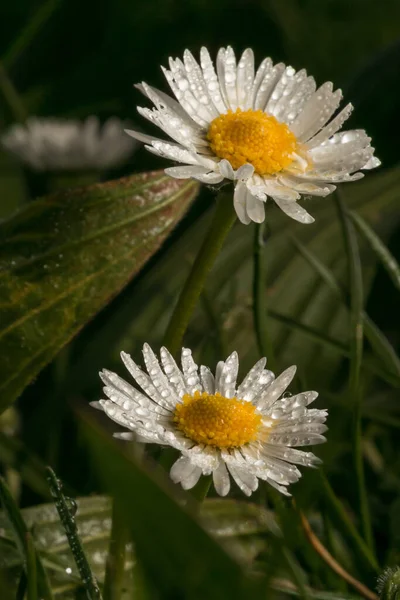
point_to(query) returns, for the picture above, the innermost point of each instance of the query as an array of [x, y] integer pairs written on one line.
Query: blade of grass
[[355, 286], [379, 343], [21, 536], [260, 314], [387, 259], [29, 32], [88, 579]]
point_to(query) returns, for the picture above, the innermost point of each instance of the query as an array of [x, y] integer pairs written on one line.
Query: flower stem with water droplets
[[224, 218], [67, 519]]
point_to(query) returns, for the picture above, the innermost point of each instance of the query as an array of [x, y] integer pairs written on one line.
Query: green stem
[[259, 296], [201, 489], [224, 218], [11, 96], [115, 564]]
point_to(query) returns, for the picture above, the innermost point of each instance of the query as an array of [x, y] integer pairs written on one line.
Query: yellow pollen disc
[[217, 421], [251, 136]]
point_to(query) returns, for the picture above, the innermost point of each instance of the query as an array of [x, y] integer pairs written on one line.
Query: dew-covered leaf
[[63, 257], [238, 524]]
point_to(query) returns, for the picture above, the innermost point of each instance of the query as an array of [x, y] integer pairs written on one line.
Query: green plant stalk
[[115, 563], [260, 314], [355, 285], [11, 96], [224, 218], [88, 579]]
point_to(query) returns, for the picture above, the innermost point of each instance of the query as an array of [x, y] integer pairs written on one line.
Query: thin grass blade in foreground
[[88, 579]]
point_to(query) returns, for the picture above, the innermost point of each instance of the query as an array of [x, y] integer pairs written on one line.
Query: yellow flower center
[[251, 136], [217, 421]]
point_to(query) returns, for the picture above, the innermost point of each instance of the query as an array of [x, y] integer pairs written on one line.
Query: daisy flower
[[248, 431], [49, 144], [270, 131]]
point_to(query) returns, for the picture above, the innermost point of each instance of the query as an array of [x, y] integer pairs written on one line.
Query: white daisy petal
[[271, 76], [245, 480], [211, 81], [332, 127], [180, 469], [244, 172], [227, 378], [239, 202], [207, 380], [221, 479], [255, 208], [282, 91], [268, 397], [226, 170], [145, 382], [190, 480], [306, 187], [288, 109], [316, 112], [178, 81], [295, 211], [190, 371], [126, 436], [185, 172], [249, 432], [164, 102], [245, 79], [209, 178], [226, 69], [179, 154]]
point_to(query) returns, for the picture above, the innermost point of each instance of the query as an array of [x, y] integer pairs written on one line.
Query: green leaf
[[240, 525], [63, 257]]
